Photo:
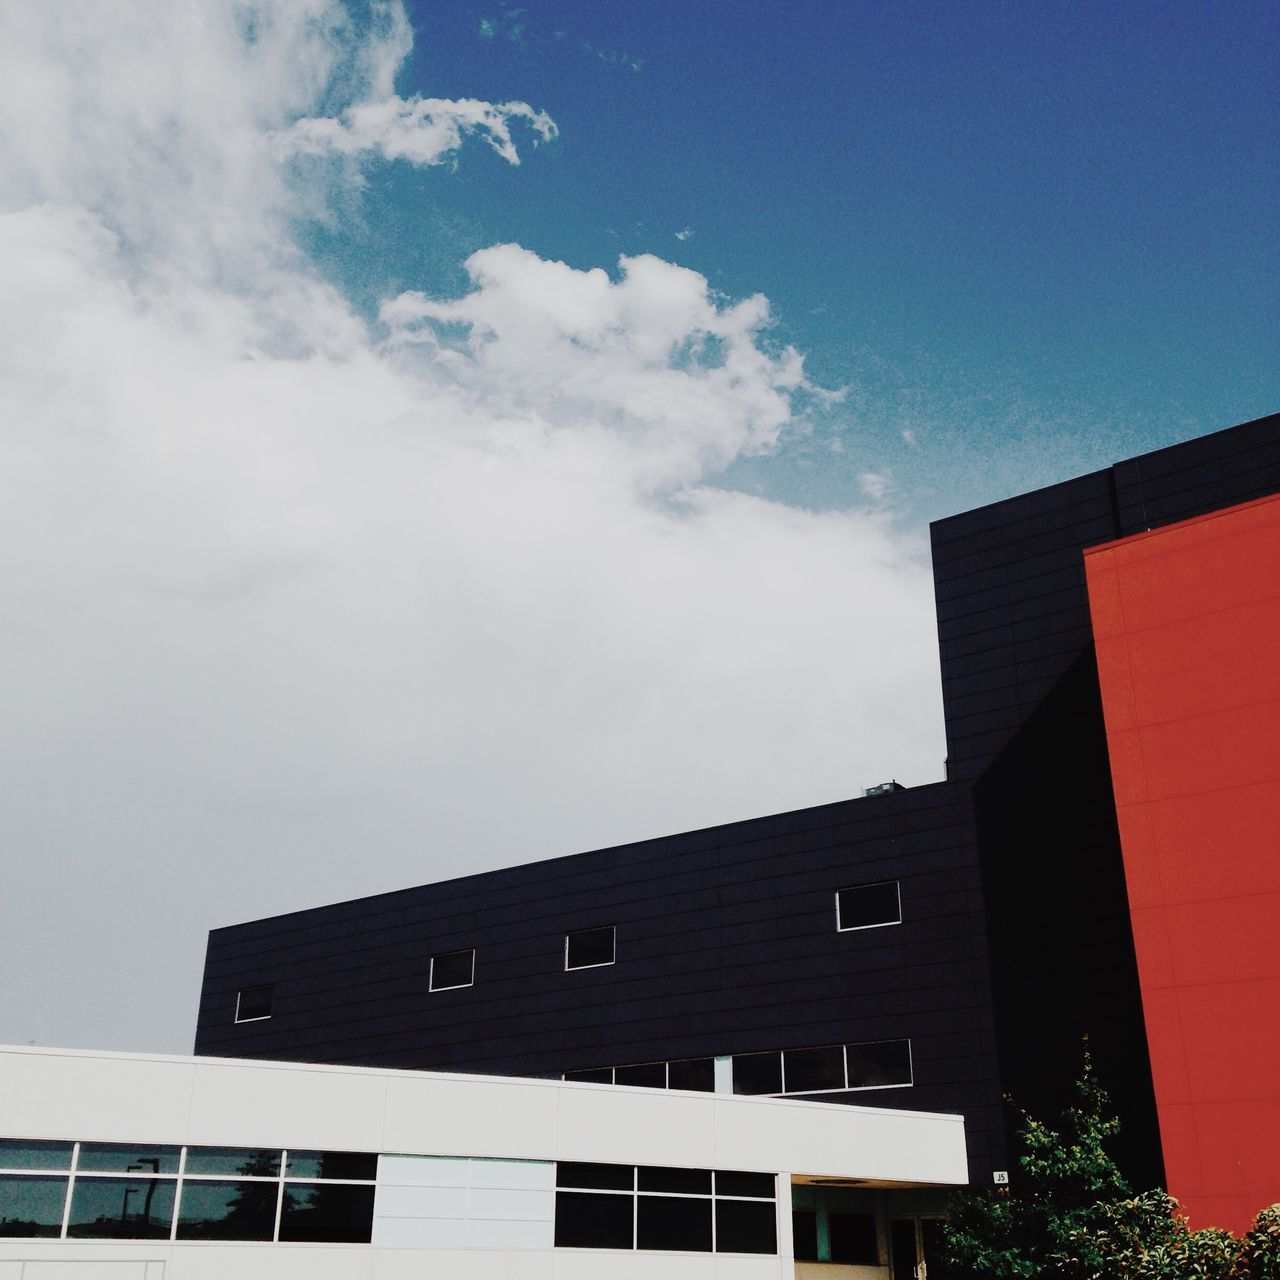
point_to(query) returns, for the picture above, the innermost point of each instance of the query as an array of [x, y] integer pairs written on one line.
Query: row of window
[[143, 1192], [604, 1206], [115, 1191], [865, 906], [878, 1064]]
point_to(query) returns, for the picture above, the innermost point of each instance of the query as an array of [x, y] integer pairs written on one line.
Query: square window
[[866, 906], [757, 1073], [881, 1064], [453, 969], [589, 948], [696, 1074], [813, 1070], [253, 1003]]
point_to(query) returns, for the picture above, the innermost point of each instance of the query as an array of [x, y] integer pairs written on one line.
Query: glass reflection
[[122, 1208], [23, 1153], [227, 1210], [327, 1213], [32, 1206], [356, 1166], [127, 1157], [244, 1162]]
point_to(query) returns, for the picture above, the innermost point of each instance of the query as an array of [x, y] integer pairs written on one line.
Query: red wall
[[1187, 624]]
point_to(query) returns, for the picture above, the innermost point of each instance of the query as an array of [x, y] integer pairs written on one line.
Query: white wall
[[67, 1094]]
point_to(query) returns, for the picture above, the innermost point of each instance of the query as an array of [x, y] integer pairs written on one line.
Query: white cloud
[[424, 131], [685, 234], [291, 609], [874, 485]]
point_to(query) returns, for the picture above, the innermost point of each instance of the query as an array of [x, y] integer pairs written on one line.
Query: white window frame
[[602, 964], [879, 924], [454, 986], [257, 1017]]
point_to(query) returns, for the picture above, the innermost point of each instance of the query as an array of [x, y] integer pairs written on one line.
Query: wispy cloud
[[685, 234], [424, 131]]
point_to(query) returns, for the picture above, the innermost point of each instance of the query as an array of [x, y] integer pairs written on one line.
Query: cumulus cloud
[[296, 606]]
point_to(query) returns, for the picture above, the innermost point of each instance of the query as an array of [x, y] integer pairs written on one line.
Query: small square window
[[254, 1003], [453, 969], [589, 948], [865, 906]]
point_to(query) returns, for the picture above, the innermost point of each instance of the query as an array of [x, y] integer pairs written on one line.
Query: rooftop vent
[[883, 788]]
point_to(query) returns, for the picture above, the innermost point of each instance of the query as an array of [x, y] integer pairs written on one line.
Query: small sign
[[1001, 1178]]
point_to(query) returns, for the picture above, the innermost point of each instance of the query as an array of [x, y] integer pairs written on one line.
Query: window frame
[[599, 964], [453, 986], [878, 924], [257, 986]]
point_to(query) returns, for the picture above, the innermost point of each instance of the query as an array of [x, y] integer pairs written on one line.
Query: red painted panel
[[1187, 622]]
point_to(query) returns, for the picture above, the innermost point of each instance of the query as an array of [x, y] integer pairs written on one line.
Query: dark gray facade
[[1013, 941]]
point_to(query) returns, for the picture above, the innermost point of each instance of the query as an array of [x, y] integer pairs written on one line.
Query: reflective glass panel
[[745, 1227], [673, 1222], [332, 1214], [588, 947], [650, 1075], [877, 1065], [757, 1073], [729, 1182], [593, 1075], [31, 1206], [698, 1074], [607, 1177], [357, 1166], [693, 1182], [246, 1162], [227, 1210], [23, 1153], [809, 1070], [453, 969], [868, 904], [853, 1239], [586, 1221], [122, 1208], [117, 1157]]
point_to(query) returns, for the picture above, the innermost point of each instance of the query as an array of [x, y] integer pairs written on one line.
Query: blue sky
[[375, 509], [1036, 237]]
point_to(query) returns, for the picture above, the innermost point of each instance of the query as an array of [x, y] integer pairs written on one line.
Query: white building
[[138, 1167]]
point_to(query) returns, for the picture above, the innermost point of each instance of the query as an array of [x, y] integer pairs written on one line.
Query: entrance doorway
[[916, 1248]]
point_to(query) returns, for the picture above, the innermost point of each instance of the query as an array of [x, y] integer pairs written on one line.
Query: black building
[[931, 948]]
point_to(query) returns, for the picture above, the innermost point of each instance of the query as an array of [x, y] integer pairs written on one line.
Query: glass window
[[853, 1239], [698, 1074], [880, 1064], [227, 1210], [117, 1157], [690, 1182], [650, 1075], [453, 969], [757, 1073], [586, 1221], [865, 905], [244, 1162], [326, 1213], [32, 1206], [605, 1177], [22, 1153], [594, 1075], [810, 1070], [122, 1208], [587, 948], [357, 1166], [743, 1226], [731, 1183], [253, 1003], [673, 1222]]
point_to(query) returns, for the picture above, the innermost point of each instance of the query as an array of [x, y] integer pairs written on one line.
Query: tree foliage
[[1070, 1215]]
